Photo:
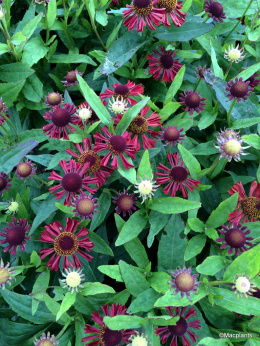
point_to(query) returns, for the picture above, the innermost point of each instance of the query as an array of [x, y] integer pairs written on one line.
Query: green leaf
[[18, 38], [113, 35], [100, 245], [157, 221], [213, 342], [173, 205], [163, 320], [64, 208], [14, 72], [10, 157], [39, 287], [190, 161], [206, 120], [33, 89], [104, 203], [129, 115], [35, 45], [195, 246], [144, 169], [247, 262], [51, 14], [169, 109], [71, 59], [94, 101], [129, 174], [35, 259], [171, 246], [235, 9], [10, 91], [220, 215], [123, 322], [66, 303], [253, 140], [33, 134], [249, 71], [211, 265], [134, 280], [29, 28], [159, 281], [3, 48], [243, 123], [196, 225], [144, 301], [217, 70], [175, 86], [169, 299], [54, 308], [93, 288], [112, 271], [132, 228], [121, 51], [184, 33]]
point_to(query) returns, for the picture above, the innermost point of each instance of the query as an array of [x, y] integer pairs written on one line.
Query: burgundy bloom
[[65, 243], [15, 235], [171, 135], [180, 328], [192, 101], [253, 82], [71, 78], [25, 169], [85, 206], [104, 335], [235, 238], [101, 172], [125, 202], [61, 118], [172, 7], [117, 146], [200, 71], [3, 110], [177, 177], [123, 91], [72, 182], [139, 126], [248, 208], [238, 90], [53, 99], [4, 182], [114, 2], [215, 10], [142, 12], [164, 64]]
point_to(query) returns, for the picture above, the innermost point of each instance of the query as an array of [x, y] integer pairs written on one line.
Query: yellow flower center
[[4, 275], [84, 113], [145, 187], [13, 207], [234, 54], [73, 279], [232, 147], [139, 341], [242, 284]]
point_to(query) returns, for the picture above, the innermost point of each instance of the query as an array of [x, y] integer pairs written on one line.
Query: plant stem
[[9, 121], [197, 84], [222, 282], [8, 40], [97, 34], [237, 22], [228, 69], [209, 169], [63, 330], [230, 110], [205, 20], [41, 180], [46, 21]]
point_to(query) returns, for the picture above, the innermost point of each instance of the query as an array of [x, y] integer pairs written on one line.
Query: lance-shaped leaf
[[124, 322], [173, 205]]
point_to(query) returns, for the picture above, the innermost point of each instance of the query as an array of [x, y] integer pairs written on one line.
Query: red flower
[[114, 2], [100, 171], [180, 328], [66, 243], [72, 182], [117, 146], [139, 126], [104, 335], [164, 63], [177, 177], [248, 208], [141, 11], [4, 182], [172, 7], [123, 91], [60, 121]]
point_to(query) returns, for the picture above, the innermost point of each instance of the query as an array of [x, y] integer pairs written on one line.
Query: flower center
[[166, 61], [73, 279], [235, 238], [125, 203], [4, 275], [145, 187], [232, 147], [15, 235], [139, 125], [178, 174], [45, 342], [180, 327], [251, 206], [169, 5], [93, 159], [110, 337], [201, 73], [192, 100], [118, 107], [85, 206], [84, 113], [71, 77], [116, 144], [61, 117], [66, 244], [1, 106], [71, 182], [239, 89], [243, 285], [3, 183], [54, 99], [234, 54], [24, 169], [142, 7], [216, 9], [139, 341], [184, 282], [171, 134], [121, 91]]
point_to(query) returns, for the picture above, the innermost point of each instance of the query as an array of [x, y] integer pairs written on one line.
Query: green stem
[[205, 20], [8, 40], [228, 69], [168, 151], [41, 180], [205, 172], [197, 84], [216, 107], [46, 22], [97, 34], [65, 12], [9, 121], [238, 22], [230, 110], [63, 330], [221, 282]]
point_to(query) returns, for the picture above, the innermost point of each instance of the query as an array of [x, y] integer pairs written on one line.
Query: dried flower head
[[243, 285], [215, 10], [85, 206], [238, 90], [146, 188], [25, 169], [125, 202], [117, 106], [234, 54], [4, 182], [200, 71], [73, 279], [192, 101], [6, 274], [53, 99], [171, 135], [71, 78], [46, 340]]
